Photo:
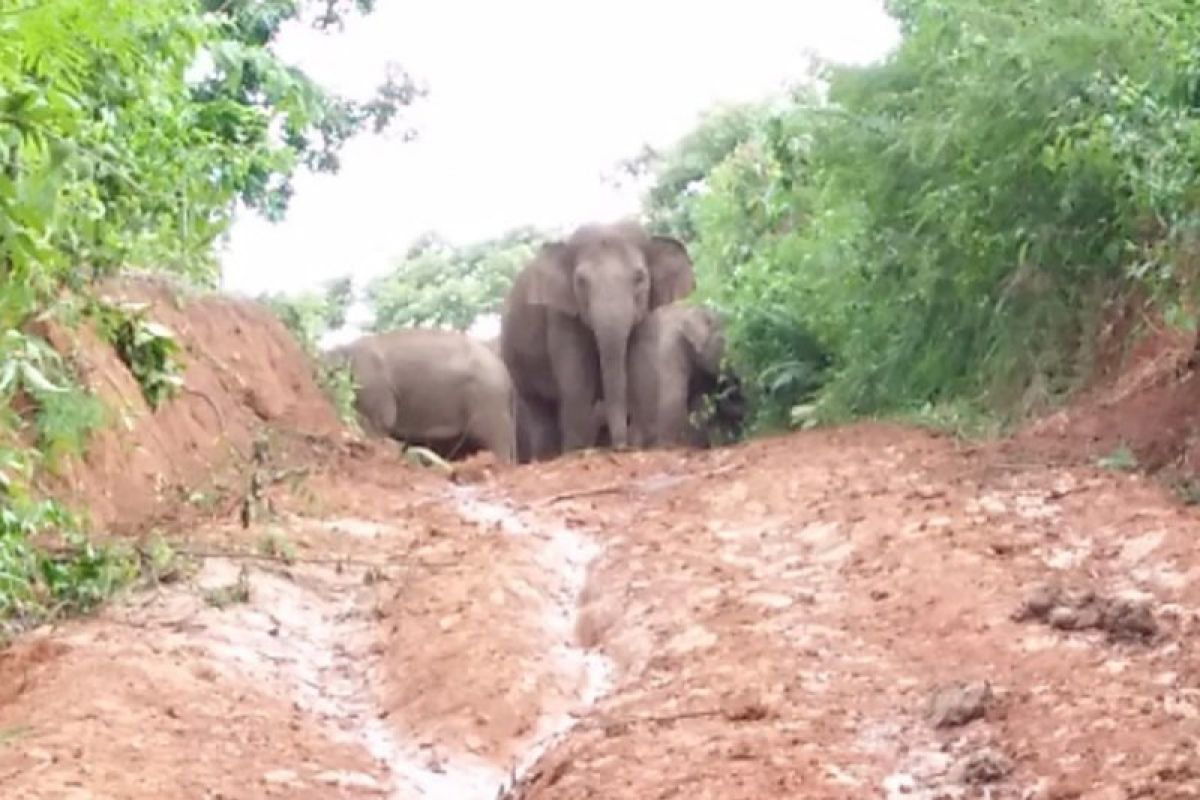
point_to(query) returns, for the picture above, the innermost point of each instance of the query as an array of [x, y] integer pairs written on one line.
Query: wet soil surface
[[855, 613]]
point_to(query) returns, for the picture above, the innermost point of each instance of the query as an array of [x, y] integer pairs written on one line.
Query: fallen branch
[[211, 404], [663, 719], [234, 555], [609, 488], [749, 713]]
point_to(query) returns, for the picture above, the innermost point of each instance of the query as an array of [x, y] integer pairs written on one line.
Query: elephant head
[[607, 278], [704, 331]]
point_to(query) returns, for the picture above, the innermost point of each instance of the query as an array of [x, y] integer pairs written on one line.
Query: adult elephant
[[675, 359], [564, 330], [438, 388]]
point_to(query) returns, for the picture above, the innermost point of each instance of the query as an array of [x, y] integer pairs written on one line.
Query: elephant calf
[[438, 388], [674, 359]]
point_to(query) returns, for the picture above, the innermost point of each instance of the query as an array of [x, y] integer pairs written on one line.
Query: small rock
[[745, 710], [741, 751], [281, 777], [982, 767], [695, 638], [959, 703], [1040, 602], [1064, 618], [1089, 616], [1129, 620], [349, 780], [1123, 619]]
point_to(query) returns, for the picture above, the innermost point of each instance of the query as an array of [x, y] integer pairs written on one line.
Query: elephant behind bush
[[676, 361]]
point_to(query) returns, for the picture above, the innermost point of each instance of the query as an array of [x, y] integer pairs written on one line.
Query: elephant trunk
[[613, 344]]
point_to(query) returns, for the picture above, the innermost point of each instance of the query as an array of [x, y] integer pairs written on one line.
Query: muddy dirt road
[[857, 613]]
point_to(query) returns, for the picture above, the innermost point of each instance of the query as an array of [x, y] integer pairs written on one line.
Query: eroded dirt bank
[[867, 612]]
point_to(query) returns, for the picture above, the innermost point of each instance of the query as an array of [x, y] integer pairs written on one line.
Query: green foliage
[[37, 582], [148, 348], [681, 174], [1121, 460], [438, 283], [236, 593], [34, 374], [275, 544], [129, 131], [309, 316], [66, 421], [943, 227], [110, 157], [84, 574], [337, 381]]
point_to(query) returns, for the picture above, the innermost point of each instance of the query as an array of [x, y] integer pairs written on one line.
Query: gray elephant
[[674, 361], [438, 388], [531, 428], [565, 327]]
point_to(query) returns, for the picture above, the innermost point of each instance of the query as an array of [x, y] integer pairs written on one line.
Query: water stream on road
[[310, 634], [566, 554]]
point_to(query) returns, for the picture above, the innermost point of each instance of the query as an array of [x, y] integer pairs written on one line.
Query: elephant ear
[[672, 276], [550, 279]]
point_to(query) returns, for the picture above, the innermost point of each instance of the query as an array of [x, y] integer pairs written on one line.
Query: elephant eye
[[640, 278]]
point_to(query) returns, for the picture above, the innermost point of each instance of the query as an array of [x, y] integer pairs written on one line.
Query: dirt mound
[[245, 373], [1145, 398]]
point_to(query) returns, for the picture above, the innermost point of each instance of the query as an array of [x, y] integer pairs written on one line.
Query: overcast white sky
[[530, 103]]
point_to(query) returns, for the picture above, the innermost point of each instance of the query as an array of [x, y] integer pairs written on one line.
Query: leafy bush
[[66, 421], [337, 381], [64, 415], [438, 283], [309, 316], [38, 582], [148, 348], [944, 227], [129, 131]]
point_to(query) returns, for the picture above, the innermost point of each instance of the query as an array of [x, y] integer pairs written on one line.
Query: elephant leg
[[639, 432], [672, 428], [544, 439], [576, 375], [537, 431], [640, 428], [496, 431]]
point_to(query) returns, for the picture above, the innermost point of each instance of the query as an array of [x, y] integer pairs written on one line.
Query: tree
[[946, 225], [311, 314], [437, 283], [117, 149], [111, 157], [678, 175]]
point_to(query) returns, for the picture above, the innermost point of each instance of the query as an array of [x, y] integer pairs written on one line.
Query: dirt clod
[[1123, 619], [959, 703], [1129, 620], [982, 767]]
